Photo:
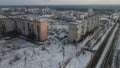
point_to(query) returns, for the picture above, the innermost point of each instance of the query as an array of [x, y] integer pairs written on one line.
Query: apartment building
[[26, 27], [78, 29], [93, 22]]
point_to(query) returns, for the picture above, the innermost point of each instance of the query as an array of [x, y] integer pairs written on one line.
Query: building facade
[[26, 27], [78, 29]]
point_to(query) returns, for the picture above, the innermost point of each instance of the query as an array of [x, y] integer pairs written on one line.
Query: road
[[116, 53], [107, 63], [96, 60], [97, 35], [80, 47]]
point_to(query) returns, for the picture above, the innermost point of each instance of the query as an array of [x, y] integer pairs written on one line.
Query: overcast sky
[[57, 2]]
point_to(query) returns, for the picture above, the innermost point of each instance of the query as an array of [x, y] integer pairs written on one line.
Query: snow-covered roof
[[77, 22], [1, 16], [104, 18]]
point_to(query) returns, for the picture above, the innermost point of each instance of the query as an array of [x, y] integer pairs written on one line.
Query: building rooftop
[[1, 16], [77, 22]]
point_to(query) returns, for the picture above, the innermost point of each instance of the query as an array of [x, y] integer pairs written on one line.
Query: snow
[[61, 26], [53, 55], [114, 61], [117, 48], [102, 39], [46, 16], [80, 61], [87, 39], [30, 56], [2, 41], [68, 52], [106, 49]]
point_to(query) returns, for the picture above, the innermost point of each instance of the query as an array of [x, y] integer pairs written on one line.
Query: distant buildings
[[90, 12], [26, 27], [26, 24]]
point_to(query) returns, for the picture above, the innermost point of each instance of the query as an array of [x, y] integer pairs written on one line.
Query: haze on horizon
[[58, 2]]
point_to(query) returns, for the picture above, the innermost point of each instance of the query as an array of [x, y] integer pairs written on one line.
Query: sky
[[57, 2]]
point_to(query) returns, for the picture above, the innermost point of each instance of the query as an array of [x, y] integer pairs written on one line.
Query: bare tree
[[2, 28]]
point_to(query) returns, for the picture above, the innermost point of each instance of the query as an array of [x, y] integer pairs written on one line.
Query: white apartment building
[[92, 22], [78, 29]]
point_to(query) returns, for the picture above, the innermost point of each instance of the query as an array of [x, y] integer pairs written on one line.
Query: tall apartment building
[[25, 27], [43, 30], [77, 30], [93, 22]]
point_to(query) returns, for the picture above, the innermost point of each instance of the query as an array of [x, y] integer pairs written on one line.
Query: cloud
[[41, 2]]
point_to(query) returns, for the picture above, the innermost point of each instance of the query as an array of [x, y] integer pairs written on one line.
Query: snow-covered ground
[[19, 53], [29, 55], [101, 40], [105, 51], [116, 57], [80, 61], [6, 45], [44, 56]]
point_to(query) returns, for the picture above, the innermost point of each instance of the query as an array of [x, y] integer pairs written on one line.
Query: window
[[32, 27], [15, 25], [38, 30], [23, 26], [28, 26]]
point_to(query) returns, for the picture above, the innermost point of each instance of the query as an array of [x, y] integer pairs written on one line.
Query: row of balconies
[[87, 26]]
